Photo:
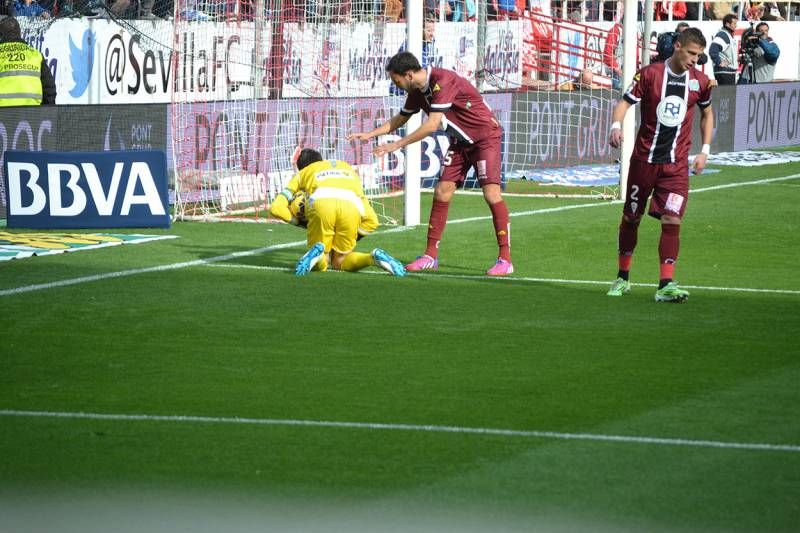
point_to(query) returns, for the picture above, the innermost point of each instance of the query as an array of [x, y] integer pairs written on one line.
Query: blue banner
[[48, 190]]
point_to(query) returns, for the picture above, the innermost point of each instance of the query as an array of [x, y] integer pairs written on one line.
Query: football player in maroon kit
[[454, 106], [659, 164]]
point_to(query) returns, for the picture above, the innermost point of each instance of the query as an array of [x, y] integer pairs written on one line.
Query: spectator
[[462, 10], [26, 81], [661, 10], [612, 55], [393, 10], [720, 9], [666, 45], [428, 51], [754, 12], [505, 9], [7, 8], [724, 53], [584, 80], [30, 8], [761, 54], [431, 9], [774, 11]]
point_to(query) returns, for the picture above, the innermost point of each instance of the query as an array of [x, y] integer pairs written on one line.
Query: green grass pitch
[[445, 401]]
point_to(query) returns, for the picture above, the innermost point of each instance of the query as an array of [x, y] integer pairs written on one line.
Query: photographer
[[759, 55], [666, 44], [723, 52]]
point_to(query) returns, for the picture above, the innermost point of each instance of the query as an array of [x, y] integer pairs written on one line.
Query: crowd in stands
[[395, 10]]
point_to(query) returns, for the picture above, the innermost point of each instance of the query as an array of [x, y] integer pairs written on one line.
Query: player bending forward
[[455, 106], [337, 212], [659, 165]]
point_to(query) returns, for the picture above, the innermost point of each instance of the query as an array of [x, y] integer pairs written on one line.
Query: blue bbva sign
[[86, 189]]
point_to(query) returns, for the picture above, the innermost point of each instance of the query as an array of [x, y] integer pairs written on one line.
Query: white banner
[[96, 61]]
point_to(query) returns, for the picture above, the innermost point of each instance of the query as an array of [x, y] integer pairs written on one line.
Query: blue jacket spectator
[[30, 8], [428, 52]]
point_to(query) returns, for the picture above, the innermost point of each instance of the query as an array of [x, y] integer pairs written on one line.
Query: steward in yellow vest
[[25, 78]]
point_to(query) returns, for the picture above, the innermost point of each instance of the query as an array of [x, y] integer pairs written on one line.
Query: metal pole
[[648, 27], [628, 70], [413, 153]]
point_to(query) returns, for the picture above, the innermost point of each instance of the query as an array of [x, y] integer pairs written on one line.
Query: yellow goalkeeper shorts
[[333, 222]]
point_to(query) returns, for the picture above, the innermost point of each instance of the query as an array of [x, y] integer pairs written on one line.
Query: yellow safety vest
[[20, 75]]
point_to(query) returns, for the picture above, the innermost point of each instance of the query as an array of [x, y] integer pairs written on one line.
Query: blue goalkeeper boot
[[388, 263], [309, 259]]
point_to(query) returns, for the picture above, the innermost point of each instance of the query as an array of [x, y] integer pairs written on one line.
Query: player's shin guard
[[668, 247], [436, 224], [502, 229], [355, 261]]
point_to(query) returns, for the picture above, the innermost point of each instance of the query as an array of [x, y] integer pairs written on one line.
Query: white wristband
[[706, 149], [616, 126]]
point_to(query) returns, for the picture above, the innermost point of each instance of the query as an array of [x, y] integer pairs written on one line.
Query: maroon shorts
[[484, 156], [668, 183]]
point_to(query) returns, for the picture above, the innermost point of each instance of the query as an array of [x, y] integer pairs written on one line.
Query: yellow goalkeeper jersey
[[328, 179]]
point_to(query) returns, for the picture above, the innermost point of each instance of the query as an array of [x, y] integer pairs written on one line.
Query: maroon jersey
[[668, 100], [467, 117]]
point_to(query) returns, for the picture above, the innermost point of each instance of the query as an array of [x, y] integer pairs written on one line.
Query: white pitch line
[[408, 427], [226, 257], [523, 279]]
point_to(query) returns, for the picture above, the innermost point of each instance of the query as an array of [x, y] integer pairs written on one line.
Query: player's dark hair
[[9, 30], [306, 157], [727, 19], [762, 25], [403, 62], [681, 26], [691, 35]]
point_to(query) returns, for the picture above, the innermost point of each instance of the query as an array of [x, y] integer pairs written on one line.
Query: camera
[[750, 39]]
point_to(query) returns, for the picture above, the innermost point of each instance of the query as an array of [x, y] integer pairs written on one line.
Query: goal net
[[256, 82]]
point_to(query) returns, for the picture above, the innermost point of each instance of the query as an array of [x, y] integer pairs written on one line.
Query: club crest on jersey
[[694, 85], [671, 111], [436, 87]]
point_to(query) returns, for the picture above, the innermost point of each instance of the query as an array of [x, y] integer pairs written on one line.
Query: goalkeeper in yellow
[[337, 213]]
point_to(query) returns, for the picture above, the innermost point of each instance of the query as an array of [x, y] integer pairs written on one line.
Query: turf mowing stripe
[[533, 280], [617, 202], [409, 427], [135, 271], [174, 266]]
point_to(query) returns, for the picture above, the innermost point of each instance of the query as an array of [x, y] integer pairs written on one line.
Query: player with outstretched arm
[[456, 107], [659, 166]]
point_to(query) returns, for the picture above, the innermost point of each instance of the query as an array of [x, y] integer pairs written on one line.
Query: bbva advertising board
[[86, 189]]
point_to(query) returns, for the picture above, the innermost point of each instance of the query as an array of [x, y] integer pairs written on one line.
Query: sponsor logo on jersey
[[694, 85], [671, 111]]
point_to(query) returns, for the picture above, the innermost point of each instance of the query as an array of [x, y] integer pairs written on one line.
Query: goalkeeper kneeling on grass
[[327, 196]]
